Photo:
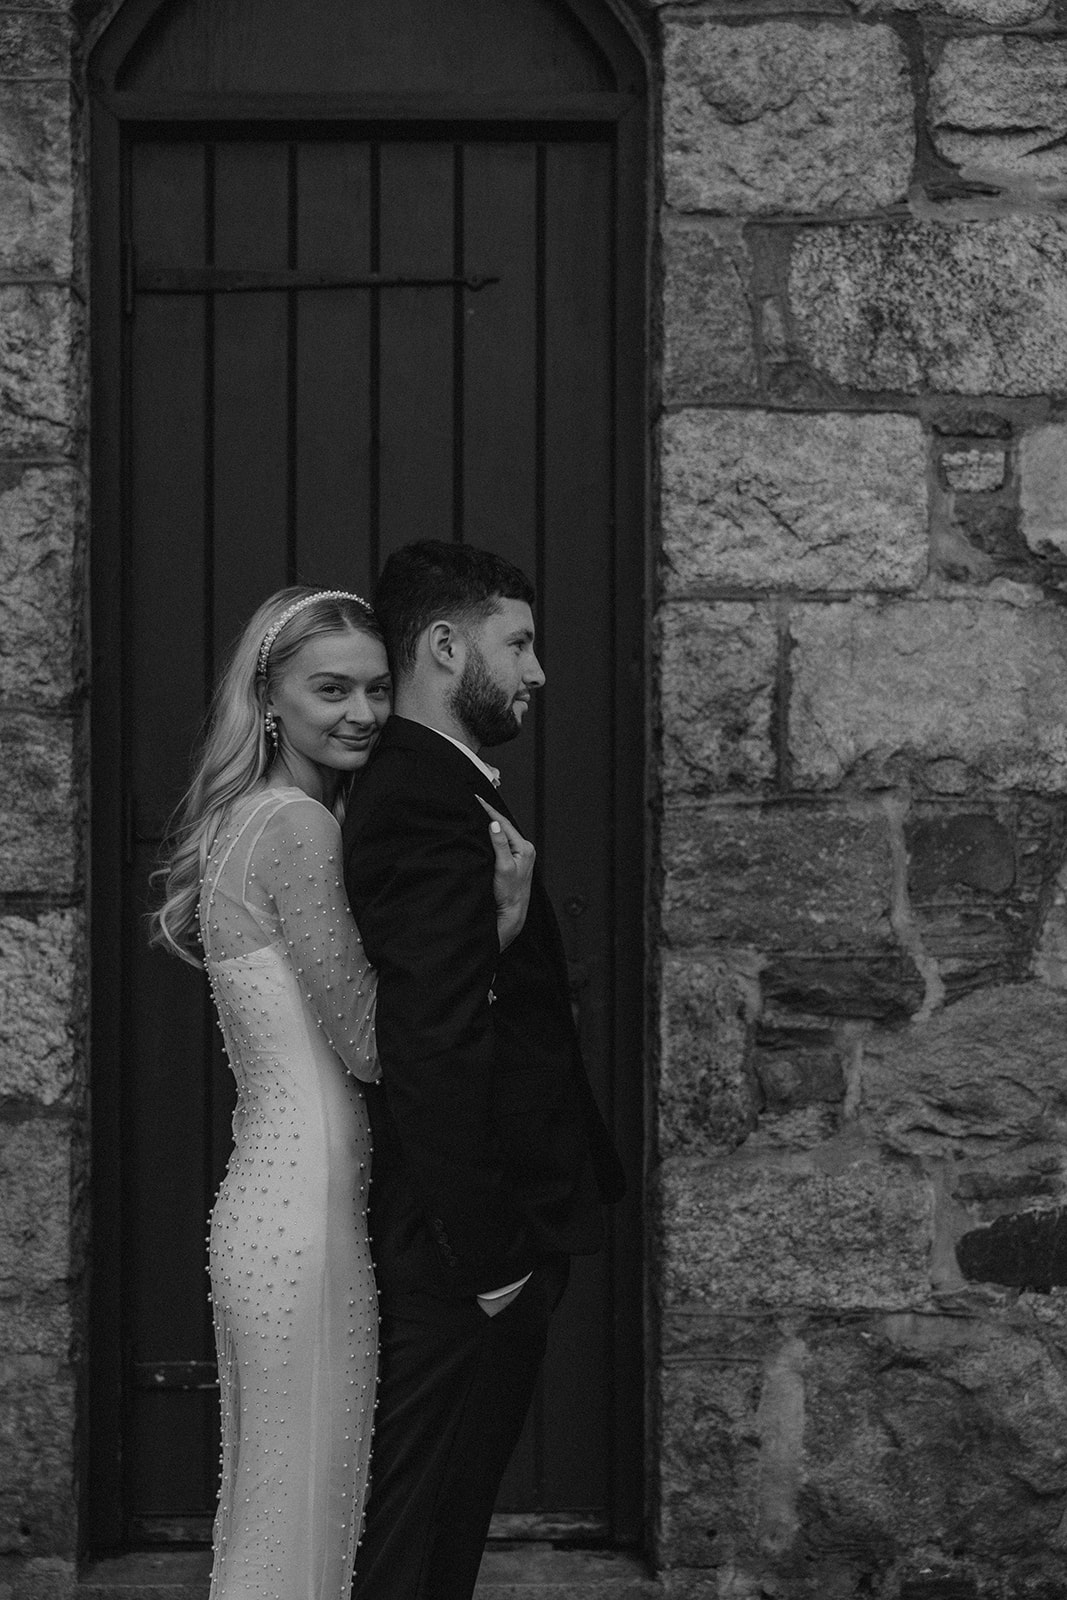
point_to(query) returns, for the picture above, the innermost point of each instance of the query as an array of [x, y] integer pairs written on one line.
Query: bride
[[254, 890]]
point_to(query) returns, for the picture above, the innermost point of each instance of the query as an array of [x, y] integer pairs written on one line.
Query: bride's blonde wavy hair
[[235, 753]]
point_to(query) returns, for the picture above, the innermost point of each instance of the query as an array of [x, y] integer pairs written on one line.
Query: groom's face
[[499, 675]]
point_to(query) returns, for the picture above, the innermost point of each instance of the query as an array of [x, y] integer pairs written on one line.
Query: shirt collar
[[492, 773]]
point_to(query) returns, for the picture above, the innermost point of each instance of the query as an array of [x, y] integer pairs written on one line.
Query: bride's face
[[330, 702]]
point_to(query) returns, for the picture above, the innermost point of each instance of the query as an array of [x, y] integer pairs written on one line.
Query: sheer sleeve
[[295, 875]]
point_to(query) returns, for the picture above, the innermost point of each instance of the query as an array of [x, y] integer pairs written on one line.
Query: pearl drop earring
[[271, 728]]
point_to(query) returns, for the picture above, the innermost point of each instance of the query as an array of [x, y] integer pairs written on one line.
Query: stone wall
[[42, 801], [860, 1212]]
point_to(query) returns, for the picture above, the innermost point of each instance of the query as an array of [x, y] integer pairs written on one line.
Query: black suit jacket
[[489, 1151]]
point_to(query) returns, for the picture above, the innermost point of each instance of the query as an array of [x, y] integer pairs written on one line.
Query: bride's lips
[[353, 744]]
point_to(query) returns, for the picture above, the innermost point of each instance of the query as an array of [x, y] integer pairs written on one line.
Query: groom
[[490, 1158]]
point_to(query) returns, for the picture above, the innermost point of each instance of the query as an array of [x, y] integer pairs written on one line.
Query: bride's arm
[[298, 862]]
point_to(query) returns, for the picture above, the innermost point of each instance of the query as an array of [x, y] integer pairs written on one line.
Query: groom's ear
[[445, 645]]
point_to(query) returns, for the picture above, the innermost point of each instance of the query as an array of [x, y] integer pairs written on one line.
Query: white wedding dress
[[292, 1285]]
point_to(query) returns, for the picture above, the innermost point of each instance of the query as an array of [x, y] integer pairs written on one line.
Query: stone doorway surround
[[857, 812]]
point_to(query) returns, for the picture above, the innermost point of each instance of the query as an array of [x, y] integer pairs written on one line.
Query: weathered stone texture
[[708, 1094], [993, 13], [719, 669], [965, 307], [710, 1459], [709, 347], [798, 1065], [998, 112], [983, 1077], [978, 883], [851, 1450], [39, 522], [37, 1502], [835, 1228], [38, 997], [35, 1198], [779, 117], [880, 689], [767, 500], [36, 185], [34, 44], [928, 1433], [1025, 1250], [885, 987], [36, 1321], [974, 471], [40, 383], [36, 805], [1043, 489], [778, 877]]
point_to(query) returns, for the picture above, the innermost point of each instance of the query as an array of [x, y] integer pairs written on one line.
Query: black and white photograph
[[533, 800]]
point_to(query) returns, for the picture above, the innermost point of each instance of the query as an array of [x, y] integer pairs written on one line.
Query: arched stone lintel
[[108, 34]]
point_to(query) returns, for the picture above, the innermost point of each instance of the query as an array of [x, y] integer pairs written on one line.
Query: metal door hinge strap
[[175, 1375], [221, 280]]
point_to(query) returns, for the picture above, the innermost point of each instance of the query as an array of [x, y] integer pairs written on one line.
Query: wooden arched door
[[362, 274]]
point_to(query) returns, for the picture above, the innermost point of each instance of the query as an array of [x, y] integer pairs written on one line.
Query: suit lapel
[[402, 733]]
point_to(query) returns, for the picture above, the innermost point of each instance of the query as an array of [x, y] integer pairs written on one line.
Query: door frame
[[115, 118]]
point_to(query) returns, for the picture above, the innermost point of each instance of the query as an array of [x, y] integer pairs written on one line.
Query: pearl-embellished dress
[[292, 1284]]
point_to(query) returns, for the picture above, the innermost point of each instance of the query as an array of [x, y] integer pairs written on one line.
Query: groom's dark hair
[[423, 582]]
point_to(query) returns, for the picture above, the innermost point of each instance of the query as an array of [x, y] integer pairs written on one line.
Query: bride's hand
[[514, 872]]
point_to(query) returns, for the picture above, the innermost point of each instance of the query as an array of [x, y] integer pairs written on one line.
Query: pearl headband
[[287, 615]]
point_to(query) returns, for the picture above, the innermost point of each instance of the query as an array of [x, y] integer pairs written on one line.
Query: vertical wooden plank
[[416, 395], [176, 1471], [500, 482], [500, 359], [165, 1101], [166, 478], [501, 447], [578, 730], [333, 422], [250, 425]]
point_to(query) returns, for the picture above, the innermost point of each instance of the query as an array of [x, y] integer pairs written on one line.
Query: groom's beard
[[480, 705]]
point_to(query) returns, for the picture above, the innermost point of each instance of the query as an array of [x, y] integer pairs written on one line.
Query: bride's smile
[[329, 704]]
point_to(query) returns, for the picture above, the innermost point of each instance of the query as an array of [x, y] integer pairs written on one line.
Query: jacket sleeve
[[420, 872]]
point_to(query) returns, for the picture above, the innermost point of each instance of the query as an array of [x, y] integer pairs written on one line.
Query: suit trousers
[[454, 1388]]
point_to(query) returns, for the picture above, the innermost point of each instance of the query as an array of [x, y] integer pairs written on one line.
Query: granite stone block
[[709, 345], [879, 690], [719, 670], [41, 517], [774, 500], [778, 877], [965, 307], [777, 116]]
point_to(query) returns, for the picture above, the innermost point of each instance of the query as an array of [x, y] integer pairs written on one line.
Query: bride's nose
[[359, 710]]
